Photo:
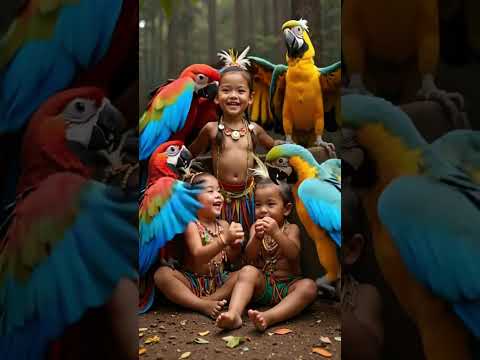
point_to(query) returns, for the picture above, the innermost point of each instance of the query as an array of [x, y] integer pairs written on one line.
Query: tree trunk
[[251, 23], [266, 22], [237, 24], [172, 45], [212, 31]]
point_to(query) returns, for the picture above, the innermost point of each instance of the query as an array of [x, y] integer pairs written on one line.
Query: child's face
[[269, 202], [234, 95], [210, 198]]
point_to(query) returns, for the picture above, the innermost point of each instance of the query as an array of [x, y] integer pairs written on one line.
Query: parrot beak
[[296, 46], [107, 130], [281, 174], [210, 91], [180, 162]]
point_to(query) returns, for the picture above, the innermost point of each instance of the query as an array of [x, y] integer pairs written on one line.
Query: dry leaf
[[270, 334], [233, 341], [322, 352], [282, 331], [325, 340], [200, 341], [140, 335], [204, 333], [338, 338], [183, 322], [142, 351], [185, 355], [142, 329], [152, 340]]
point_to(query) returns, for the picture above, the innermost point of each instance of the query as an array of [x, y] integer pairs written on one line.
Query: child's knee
[[248, 273], [309, 288], [161, 276]]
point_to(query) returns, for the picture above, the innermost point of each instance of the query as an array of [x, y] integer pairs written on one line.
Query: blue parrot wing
[[322, 200], [434, 224], [167, 208], [166, 114], [40, 68], [57, 261]]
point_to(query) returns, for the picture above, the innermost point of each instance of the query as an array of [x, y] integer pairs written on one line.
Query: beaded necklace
[[215, 267], [269, 250]]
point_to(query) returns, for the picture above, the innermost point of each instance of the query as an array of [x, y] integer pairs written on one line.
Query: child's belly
[[232, 165]]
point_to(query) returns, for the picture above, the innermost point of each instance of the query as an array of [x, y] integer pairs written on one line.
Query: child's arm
[[253, 246], [264, 139], [201, 253], [201, 142], [289, 242]]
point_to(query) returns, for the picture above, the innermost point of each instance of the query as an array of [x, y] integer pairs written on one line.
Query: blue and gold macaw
[[423, 209], [317, 193], [297, 95]]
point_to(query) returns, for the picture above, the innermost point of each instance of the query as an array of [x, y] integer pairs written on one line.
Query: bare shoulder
[[292, 229]]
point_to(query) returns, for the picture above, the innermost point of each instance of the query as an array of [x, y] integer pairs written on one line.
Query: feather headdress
[[231, 58]]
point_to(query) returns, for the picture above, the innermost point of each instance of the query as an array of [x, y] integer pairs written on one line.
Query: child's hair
[[283, 188], [246, 75], [197, 178]]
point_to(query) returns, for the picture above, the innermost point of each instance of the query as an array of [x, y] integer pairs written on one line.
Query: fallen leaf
[[142, 329], [185, 355], [282, 331], [325, 340], [338, 338], [140, 335], [200, 341], [233, 341], [142, 351], [183, 322], [270, 334], [322, 352], [152, 340], [204, 333]]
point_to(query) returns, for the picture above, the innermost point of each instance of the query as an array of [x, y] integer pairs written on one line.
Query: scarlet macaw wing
[[166, 209], [322, 200], [62, 37], [165, 115], [434, 224], [330, 81], [261, 71], [59, 258]]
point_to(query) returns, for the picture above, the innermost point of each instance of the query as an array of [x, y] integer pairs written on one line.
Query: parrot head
[[169, 159], [285, 161], [206, 79], [297, 40], [68, 132]]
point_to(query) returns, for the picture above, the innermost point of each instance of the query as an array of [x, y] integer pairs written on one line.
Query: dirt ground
[[176, 329]]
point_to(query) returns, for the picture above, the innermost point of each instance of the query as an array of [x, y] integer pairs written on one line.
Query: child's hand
[[259, 229], [234, 233], [270, 226]]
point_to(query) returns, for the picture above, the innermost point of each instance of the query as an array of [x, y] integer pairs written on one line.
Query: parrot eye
[[173, 150], [298, 30], [201, 79], [80, 106], [282, 162]]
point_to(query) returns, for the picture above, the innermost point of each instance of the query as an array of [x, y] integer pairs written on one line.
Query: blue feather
[[172, 219], [41, 68], [173, 119], [81, 272]]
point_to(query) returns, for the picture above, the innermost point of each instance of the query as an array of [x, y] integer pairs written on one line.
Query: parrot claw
[[328, 289], [116, 157], [452, 103], [329, 147]]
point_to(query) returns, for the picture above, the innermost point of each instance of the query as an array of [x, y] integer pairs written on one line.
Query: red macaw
[[58, 258], [166, 208], [176, 109]]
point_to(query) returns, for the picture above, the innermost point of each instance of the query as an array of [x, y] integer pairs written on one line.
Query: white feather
[[260, 170], [230, 58], [304, 24]]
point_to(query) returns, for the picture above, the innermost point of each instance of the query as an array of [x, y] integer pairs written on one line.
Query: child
[[274, 249], [362, 326], [204, 285], [233, 140]]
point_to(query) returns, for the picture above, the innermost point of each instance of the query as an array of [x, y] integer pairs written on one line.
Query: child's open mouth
[[217, 205]]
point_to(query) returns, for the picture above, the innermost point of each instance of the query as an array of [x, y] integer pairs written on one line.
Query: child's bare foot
[[258, 320], [229, 320], [212, 308]]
